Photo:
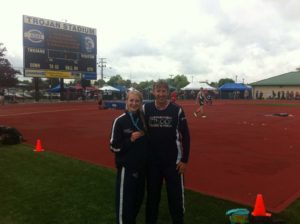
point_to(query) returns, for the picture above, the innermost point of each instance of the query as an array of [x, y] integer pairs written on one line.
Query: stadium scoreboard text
[[54, 49]]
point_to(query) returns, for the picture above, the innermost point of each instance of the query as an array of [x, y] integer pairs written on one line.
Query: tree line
[[8, 78]]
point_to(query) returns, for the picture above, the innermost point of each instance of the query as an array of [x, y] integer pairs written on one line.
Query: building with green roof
[[285, 86]]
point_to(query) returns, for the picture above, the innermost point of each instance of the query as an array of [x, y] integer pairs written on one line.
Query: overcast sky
[[245, 40]]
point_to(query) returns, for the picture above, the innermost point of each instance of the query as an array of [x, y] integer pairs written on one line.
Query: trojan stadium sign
[[54, 49]]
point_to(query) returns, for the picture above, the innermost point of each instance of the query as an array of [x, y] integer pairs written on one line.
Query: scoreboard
[[54, 49]]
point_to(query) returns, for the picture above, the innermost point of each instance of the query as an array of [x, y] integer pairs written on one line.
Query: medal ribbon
[[134, 121]]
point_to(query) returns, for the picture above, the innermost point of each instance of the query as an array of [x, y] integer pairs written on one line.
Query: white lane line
[[38, 112]]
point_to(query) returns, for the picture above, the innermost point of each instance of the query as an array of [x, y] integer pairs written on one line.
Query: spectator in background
[[261, 95], [100, 101], [292, 95], [246, 94], [173, 96], [288, 95], [237, 94], [209, 99], [2, 93], [273, 94], [297, 95], [282, 95]]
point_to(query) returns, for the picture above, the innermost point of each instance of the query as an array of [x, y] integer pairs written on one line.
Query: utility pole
[[102, 64]]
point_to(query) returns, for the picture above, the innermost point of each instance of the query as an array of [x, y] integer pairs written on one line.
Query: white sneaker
[[195, 114], [203, 116]]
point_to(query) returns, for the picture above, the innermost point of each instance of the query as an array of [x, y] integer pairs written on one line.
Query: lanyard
[[134, 121]]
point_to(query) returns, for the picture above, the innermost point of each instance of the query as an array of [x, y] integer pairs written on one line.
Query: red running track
[[238, 151]]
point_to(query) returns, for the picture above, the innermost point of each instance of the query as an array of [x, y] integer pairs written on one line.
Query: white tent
[[197, 86], [109, 88], [131, 89]]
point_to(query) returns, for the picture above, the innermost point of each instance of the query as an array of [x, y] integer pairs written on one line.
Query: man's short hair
[[161, 83]]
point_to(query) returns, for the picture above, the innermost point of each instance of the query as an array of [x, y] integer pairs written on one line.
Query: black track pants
[[130, 188], [175, 192]]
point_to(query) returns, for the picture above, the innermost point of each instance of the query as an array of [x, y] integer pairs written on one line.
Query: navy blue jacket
[[129, 154], [168, 134]]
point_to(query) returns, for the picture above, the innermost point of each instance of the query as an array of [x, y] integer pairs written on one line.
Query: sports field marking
[[40, 112]]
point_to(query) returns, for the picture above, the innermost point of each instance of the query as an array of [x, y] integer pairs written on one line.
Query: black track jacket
[[168, 134], [129, 154]]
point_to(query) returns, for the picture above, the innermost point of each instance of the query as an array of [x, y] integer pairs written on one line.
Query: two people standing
[[166, 146]]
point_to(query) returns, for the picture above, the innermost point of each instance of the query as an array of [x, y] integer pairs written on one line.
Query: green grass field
[[42, 188]]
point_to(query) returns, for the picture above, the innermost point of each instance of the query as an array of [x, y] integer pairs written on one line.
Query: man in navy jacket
[[168, 153]]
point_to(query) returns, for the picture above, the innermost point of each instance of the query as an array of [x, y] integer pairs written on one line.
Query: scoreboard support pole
[[62, 90], [36, 88]]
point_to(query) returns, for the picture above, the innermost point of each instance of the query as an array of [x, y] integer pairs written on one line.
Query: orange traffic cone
[[259, 208], [38, 146]]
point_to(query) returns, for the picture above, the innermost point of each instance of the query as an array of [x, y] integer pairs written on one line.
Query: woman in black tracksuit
[[129, 143]]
